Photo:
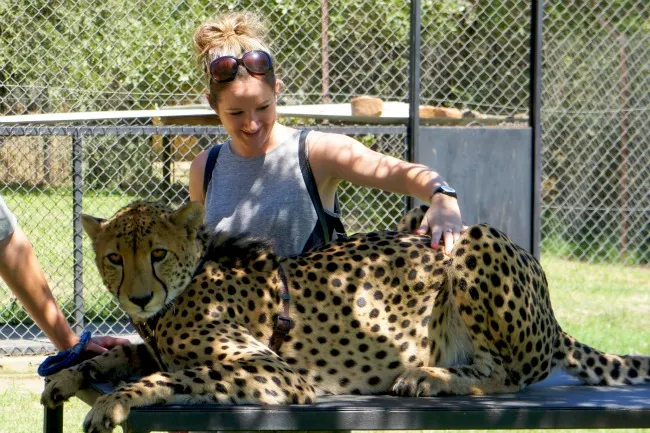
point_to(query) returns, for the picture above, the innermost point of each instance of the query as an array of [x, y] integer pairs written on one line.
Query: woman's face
[[247, 110]]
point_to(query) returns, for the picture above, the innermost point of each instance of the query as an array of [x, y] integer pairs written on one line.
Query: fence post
[[535, 121], [413, 127], [77, 230], [325, 51], [166, 163]]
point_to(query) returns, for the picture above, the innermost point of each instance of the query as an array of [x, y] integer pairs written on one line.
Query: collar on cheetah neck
[[147, 331], [283, 324], [281, 328]]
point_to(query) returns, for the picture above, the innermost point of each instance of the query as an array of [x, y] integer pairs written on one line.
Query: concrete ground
[[20, 371]]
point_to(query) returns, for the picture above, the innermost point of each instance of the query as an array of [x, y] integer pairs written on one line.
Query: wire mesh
[[596, 134], [128, 54], [118, 169], [85, 55]]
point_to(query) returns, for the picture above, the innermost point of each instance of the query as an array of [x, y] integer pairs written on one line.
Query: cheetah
[[224, 320]]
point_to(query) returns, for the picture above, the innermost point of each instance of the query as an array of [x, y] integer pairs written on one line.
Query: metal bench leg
[[53, 420]]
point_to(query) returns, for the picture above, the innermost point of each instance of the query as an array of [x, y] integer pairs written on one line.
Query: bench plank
[[558, 402]]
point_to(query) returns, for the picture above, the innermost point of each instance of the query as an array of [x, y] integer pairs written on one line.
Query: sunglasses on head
[[224, 69]]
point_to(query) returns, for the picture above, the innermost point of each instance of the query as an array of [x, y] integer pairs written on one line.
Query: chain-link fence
[[596, 126], [57, 172], [129, 54], [87, 55]]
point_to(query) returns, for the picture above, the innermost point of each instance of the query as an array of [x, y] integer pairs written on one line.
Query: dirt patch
[[35, 160], [26, 382], [19, 372], [19, 364]]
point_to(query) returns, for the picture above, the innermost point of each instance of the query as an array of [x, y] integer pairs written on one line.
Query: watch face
[[446, 190]]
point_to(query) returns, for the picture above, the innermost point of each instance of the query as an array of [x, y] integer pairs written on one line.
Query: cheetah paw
[[61, 386], [418, 383], [107, 413]]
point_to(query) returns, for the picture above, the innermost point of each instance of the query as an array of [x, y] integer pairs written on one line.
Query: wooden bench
[[558, 402]]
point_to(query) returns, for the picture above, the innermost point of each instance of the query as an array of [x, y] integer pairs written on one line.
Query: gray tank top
[[264, 196]]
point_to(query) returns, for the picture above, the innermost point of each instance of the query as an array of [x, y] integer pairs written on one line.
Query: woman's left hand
[[442, 221]]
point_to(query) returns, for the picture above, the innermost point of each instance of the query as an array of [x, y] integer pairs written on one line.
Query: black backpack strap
[[334, 222], [209, 166], [308, 176]]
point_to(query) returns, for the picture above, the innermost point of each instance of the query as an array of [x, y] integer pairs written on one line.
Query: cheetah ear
[[91, 225], [189, 216]]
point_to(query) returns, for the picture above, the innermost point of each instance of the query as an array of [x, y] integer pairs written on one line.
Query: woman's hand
[[104, 343], [442, 221]]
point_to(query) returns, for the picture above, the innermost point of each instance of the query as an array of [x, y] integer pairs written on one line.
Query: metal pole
[[536, 22], [53, 420], [413, 126], [167, 163], [624, 153], [324, 44], [77, 193]]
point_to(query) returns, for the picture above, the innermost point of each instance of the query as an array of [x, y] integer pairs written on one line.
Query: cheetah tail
[[597, 368]]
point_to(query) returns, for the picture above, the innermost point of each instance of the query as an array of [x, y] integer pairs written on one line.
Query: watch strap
[[446, 190]]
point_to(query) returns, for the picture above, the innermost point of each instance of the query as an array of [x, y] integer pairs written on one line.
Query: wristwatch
[[446, 190]]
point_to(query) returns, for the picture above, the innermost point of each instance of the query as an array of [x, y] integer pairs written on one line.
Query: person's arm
[[336, 157], [197, 169], [22, 272]]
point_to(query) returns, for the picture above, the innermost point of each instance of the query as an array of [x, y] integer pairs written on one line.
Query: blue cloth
[[66, 358]]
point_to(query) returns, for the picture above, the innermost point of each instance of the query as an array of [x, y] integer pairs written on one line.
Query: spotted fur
[[376, 312]]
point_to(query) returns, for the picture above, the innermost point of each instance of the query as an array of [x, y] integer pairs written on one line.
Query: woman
[[259, 185]]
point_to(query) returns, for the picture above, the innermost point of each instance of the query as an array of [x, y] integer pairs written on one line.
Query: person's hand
[[443, 222], [103, 344]]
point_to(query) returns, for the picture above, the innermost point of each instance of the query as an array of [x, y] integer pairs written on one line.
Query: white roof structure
[[392, 113]]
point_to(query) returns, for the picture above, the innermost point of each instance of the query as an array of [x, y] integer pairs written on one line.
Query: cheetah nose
[[141, 301]]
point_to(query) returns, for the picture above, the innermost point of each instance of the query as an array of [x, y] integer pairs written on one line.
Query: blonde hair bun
[[230, 34]]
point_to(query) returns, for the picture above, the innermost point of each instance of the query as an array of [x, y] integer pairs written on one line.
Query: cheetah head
[[146, 254]]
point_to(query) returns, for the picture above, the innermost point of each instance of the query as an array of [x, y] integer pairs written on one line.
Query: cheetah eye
[[158, 254], [115, 259]]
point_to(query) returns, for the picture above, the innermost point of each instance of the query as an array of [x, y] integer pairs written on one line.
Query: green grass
[[22, 412], [605, 306]]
